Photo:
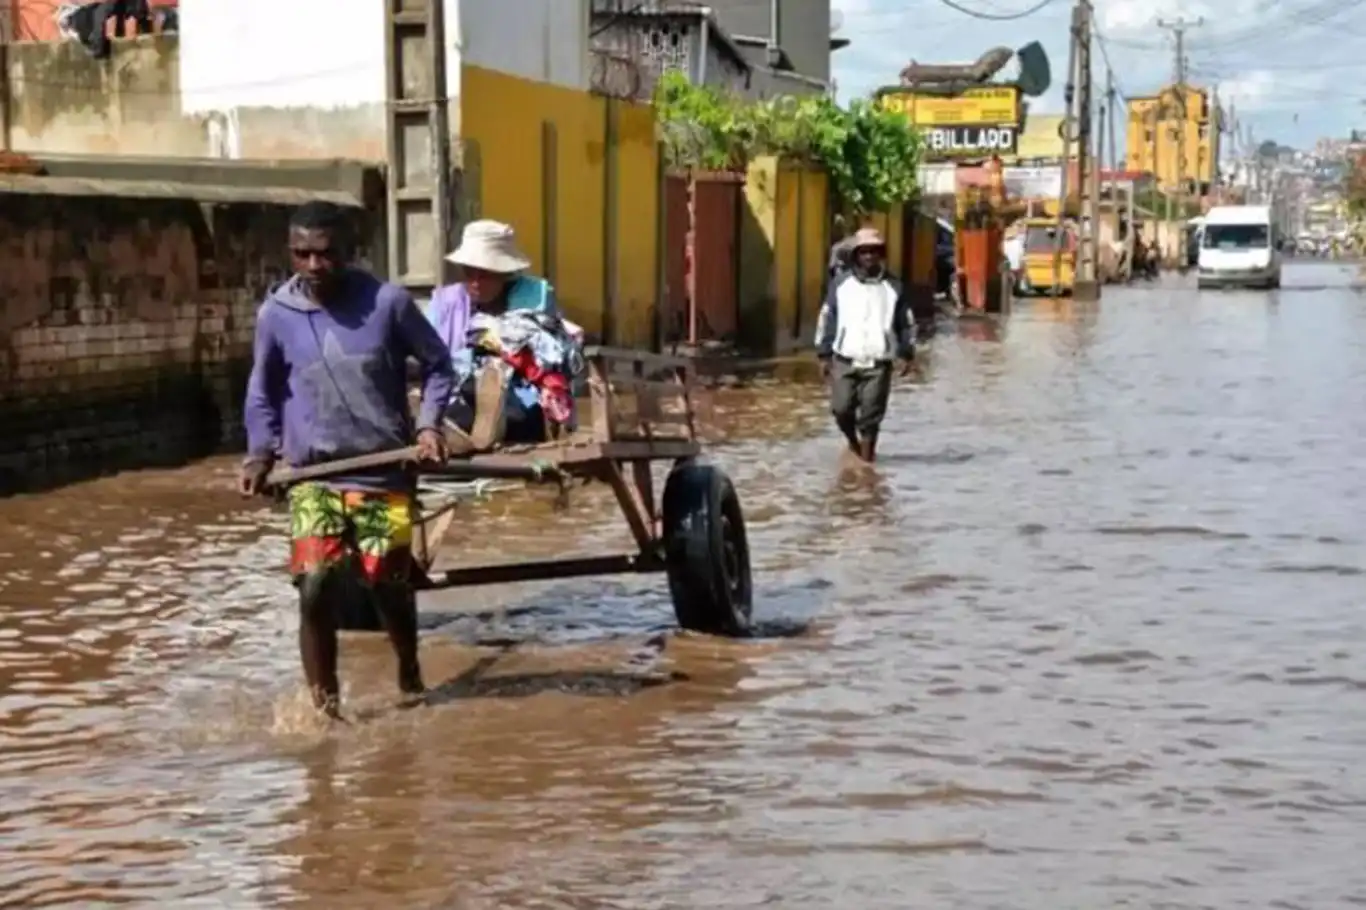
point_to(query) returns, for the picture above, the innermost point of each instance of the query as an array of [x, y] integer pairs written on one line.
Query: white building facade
[[291, 76]]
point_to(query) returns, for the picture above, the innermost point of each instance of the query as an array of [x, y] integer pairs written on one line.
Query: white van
[[1240, 246]]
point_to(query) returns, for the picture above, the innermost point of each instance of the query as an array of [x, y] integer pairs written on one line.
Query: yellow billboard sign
[[978, 106]]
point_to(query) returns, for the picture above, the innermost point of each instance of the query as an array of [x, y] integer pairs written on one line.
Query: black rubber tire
[[706, 551]]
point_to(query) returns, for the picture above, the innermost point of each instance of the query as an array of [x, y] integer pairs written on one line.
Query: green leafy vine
[[870, 154]]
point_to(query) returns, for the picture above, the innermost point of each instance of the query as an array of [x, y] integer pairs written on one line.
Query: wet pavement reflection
[[1090, 636]]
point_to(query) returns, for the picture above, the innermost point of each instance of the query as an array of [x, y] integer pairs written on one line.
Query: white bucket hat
[[491, 246]]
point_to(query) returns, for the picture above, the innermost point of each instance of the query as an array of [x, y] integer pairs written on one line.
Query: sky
[[1286, 65]]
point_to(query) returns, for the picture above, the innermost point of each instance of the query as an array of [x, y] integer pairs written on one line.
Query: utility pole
[[419, 206], [1069, 135], [1079, 129], [1216, 139], [1111, 96], [1233, 158], [1087, 286], [1178, 28]]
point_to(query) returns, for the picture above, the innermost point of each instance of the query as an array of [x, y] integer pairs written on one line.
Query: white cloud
[[1250, 90], [1140, 18]]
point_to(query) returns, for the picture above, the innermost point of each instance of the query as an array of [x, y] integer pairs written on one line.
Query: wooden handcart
[[641, 410]]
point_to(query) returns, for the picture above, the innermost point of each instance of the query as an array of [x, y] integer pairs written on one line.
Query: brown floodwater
[[1091, 636]]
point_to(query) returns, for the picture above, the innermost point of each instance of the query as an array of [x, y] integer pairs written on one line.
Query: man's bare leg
[[397, 607], [867, 446], [318, 640]]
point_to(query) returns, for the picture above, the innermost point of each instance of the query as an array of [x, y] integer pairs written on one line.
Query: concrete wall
[[258, 79], [725, 72], [302, 79], [803, 31], [579, 181], [325, 96], [64, 101], [768, 83], [127, 329], [784, 248], [543, 40]]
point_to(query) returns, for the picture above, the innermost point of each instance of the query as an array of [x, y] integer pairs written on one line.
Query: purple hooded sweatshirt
[[331, 382]]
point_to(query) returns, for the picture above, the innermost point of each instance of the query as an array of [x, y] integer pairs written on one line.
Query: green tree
[[870, 154]]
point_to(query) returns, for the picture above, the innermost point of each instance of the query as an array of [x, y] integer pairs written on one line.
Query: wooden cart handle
[[281, 477]]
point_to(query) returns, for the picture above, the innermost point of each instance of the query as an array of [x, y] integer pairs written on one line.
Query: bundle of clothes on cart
[[526, 350]]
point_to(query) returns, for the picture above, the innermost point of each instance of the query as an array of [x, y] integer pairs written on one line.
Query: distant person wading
[[865, 328]]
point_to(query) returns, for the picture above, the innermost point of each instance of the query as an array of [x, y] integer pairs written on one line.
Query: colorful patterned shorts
[[368, 532]]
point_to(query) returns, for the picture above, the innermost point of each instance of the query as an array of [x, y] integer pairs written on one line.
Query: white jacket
[[865, 321]]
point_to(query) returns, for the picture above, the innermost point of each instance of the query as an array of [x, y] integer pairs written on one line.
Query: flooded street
[[1091, 637]]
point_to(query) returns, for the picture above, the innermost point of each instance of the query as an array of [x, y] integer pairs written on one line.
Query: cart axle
[[548, 570]]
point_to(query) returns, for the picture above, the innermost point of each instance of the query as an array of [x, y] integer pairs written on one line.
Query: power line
[[997, 17], [1178, 29], [1109, 64], [1311, 15], [1214, 69]]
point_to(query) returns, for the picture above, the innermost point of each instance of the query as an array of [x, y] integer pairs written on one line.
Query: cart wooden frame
[[642, 410]]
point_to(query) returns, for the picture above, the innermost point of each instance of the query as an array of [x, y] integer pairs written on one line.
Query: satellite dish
[[836, 20], [1035, 73]]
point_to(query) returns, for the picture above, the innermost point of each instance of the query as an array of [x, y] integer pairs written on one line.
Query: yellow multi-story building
[[1153, 138]]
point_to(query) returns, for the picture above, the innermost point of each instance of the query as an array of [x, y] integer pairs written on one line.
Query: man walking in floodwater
[[329, 381], [864, 327]]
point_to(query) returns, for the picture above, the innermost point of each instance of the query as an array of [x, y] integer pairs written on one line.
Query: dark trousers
[[858, 396]]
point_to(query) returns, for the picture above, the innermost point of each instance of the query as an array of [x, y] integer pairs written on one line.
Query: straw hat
[[491, 246], [866, 237]]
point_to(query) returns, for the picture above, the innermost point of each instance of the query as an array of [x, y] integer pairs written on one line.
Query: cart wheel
[[706, 551]]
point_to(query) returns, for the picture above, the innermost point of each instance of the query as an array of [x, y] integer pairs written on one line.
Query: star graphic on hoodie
[[347, 401]]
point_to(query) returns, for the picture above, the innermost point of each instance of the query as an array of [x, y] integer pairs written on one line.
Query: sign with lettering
[[983, 104], [970, 141], [1033, 182]]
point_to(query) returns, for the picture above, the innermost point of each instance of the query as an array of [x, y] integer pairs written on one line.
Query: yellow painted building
[[1041, 138], [1154, 127], [578, 178]]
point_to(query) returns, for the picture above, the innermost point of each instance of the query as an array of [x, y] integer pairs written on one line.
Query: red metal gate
[[702, 231]]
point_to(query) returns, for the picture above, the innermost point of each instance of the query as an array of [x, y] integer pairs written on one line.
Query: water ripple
[[1088, 637]]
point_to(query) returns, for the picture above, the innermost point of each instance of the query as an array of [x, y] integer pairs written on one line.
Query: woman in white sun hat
[[494, 281]]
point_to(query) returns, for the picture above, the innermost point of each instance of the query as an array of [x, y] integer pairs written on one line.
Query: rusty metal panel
[[674, 318], [716, 255]]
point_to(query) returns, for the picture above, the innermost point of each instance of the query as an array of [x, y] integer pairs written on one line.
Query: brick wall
[[63, 101], [125, 329]]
